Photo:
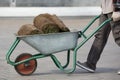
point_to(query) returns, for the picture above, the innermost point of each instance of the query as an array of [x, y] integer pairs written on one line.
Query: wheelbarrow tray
[[52, 42]]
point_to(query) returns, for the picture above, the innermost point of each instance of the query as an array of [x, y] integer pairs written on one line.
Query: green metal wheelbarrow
[[49, 44]]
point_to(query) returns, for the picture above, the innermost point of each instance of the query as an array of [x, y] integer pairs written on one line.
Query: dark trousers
[[100, 41]]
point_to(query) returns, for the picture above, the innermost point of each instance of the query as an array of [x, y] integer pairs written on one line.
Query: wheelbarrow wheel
[[26, 68]]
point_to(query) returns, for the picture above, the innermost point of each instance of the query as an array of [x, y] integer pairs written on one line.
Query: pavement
[[107, 66]]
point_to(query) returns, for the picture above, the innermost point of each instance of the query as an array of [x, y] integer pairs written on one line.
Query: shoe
[[85, 66], [118, 72]]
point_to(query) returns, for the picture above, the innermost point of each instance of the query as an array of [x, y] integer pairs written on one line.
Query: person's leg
[[115, 26], [97, 46], [99, 43]]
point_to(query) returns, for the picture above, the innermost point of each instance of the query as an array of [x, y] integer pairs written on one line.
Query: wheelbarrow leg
[[74, 62], [68, 59], [58, 64], [56, 61]]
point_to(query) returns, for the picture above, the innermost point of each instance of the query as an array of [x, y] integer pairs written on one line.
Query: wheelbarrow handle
[[92, 21], [86, 38]]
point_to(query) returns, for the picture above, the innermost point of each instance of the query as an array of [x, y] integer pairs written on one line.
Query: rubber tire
[[26, 68]]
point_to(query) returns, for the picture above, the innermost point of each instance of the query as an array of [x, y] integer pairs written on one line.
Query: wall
[[49, 3]]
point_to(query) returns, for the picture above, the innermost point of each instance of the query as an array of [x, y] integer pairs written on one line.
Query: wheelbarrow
[[49, 44]]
